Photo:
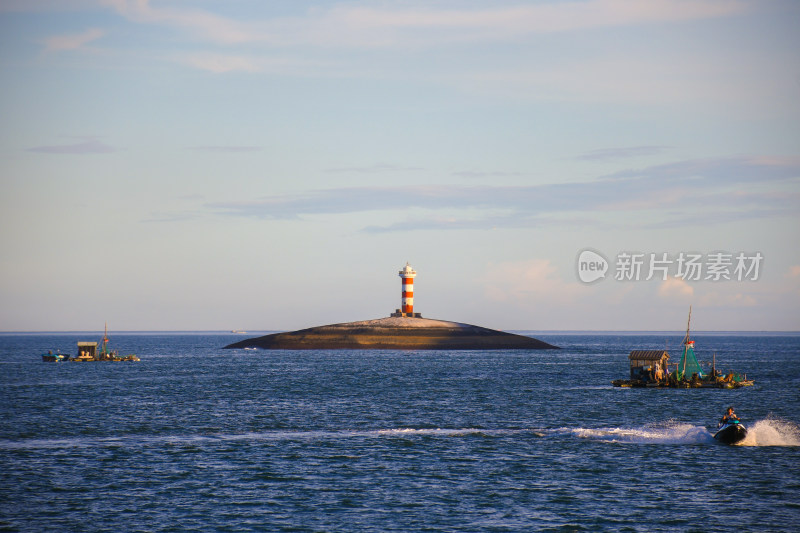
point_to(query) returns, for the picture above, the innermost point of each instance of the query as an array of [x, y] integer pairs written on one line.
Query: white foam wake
[[668, 433], [768, 432], [772, 432]]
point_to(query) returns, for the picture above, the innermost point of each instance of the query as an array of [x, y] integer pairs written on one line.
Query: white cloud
[[28, 6], [633, 75], [88, 146], [73, 41], [220, 63], [502, 22], [203, 24], [718, 299], [227, 148], [617, 153], [675, 289], [657, 189], [359, 25], [530, 282]]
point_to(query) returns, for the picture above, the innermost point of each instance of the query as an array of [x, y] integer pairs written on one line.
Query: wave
[[772, 431], [129, 440], [669, 433], [433, 432]]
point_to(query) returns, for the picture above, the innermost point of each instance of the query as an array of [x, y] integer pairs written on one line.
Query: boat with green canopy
[[651, 368]]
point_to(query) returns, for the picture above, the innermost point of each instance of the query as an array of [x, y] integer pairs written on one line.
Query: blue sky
[[272, 165]]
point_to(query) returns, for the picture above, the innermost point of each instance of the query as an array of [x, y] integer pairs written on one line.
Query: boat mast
[[686, 338], [686, 341]]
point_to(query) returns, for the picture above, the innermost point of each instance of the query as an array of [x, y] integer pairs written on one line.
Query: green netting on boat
[[689, 365]]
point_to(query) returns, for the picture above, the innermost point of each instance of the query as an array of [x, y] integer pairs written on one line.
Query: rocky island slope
[[395, 333]]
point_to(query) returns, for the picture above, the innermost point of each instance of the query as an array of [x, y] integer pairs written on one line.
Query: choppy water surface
[[194, 437]]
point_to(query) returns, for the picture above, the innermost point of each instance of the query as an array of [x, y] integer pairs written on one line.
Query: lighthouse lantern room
[[407, 276]]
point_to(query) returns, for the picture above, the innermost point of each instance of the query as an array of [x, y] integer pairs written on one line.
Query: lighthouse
[[407, 276]]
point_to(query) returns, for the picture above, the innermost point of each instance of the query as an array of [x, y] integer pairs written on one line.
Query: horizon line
[[539, 331]]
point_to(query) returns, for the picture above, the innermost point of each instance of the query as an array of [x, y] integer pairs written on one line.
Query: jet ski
[[731, 432]]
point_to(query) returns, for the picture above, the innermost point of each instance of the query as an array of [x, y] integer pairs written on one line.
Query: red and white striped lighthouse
[[407, 276]]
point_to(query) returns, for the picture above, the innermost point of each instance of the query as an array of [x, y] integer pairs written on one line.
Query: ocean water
[[197, 438]]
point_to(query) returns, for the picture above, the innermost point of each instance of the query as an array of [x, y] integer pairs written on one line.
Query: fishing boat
[[731, 432], [111, 355], [651, 368], [88, 351]]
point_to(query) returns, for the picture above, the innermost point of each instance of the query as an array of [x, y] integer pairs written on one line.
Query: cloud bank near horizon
[[720, 186]]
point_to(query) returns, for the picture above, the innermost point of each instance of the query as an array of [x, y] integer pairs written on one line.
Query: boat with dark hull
[[51, 357], [731, 432]]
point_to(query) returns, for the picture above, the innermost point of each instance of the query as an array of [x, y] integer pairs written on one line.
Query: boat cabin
[[649, 365], [87, 350]]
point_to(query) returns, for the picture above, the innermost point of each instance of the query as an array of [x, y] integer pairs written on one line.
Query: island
[[395, 333], [402, 330]]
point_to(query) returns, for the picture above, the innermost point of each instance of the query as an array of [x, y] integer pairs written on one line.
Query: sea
[[198, 438]]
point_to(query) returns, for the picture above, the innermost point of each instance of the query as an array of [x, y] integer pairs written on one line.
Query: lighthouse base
[[398, 313]]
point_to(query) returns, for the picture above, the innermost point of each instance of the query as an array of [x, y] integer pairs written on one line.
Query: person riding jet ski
[[728, 417]]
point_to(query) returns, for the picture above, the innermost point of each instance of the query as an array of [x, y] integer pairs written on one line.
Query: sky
[[265, 165]]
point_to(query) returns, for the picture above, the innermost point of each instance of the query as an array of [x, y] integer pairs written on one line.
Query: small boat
[[51, 357], [731, 432]]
